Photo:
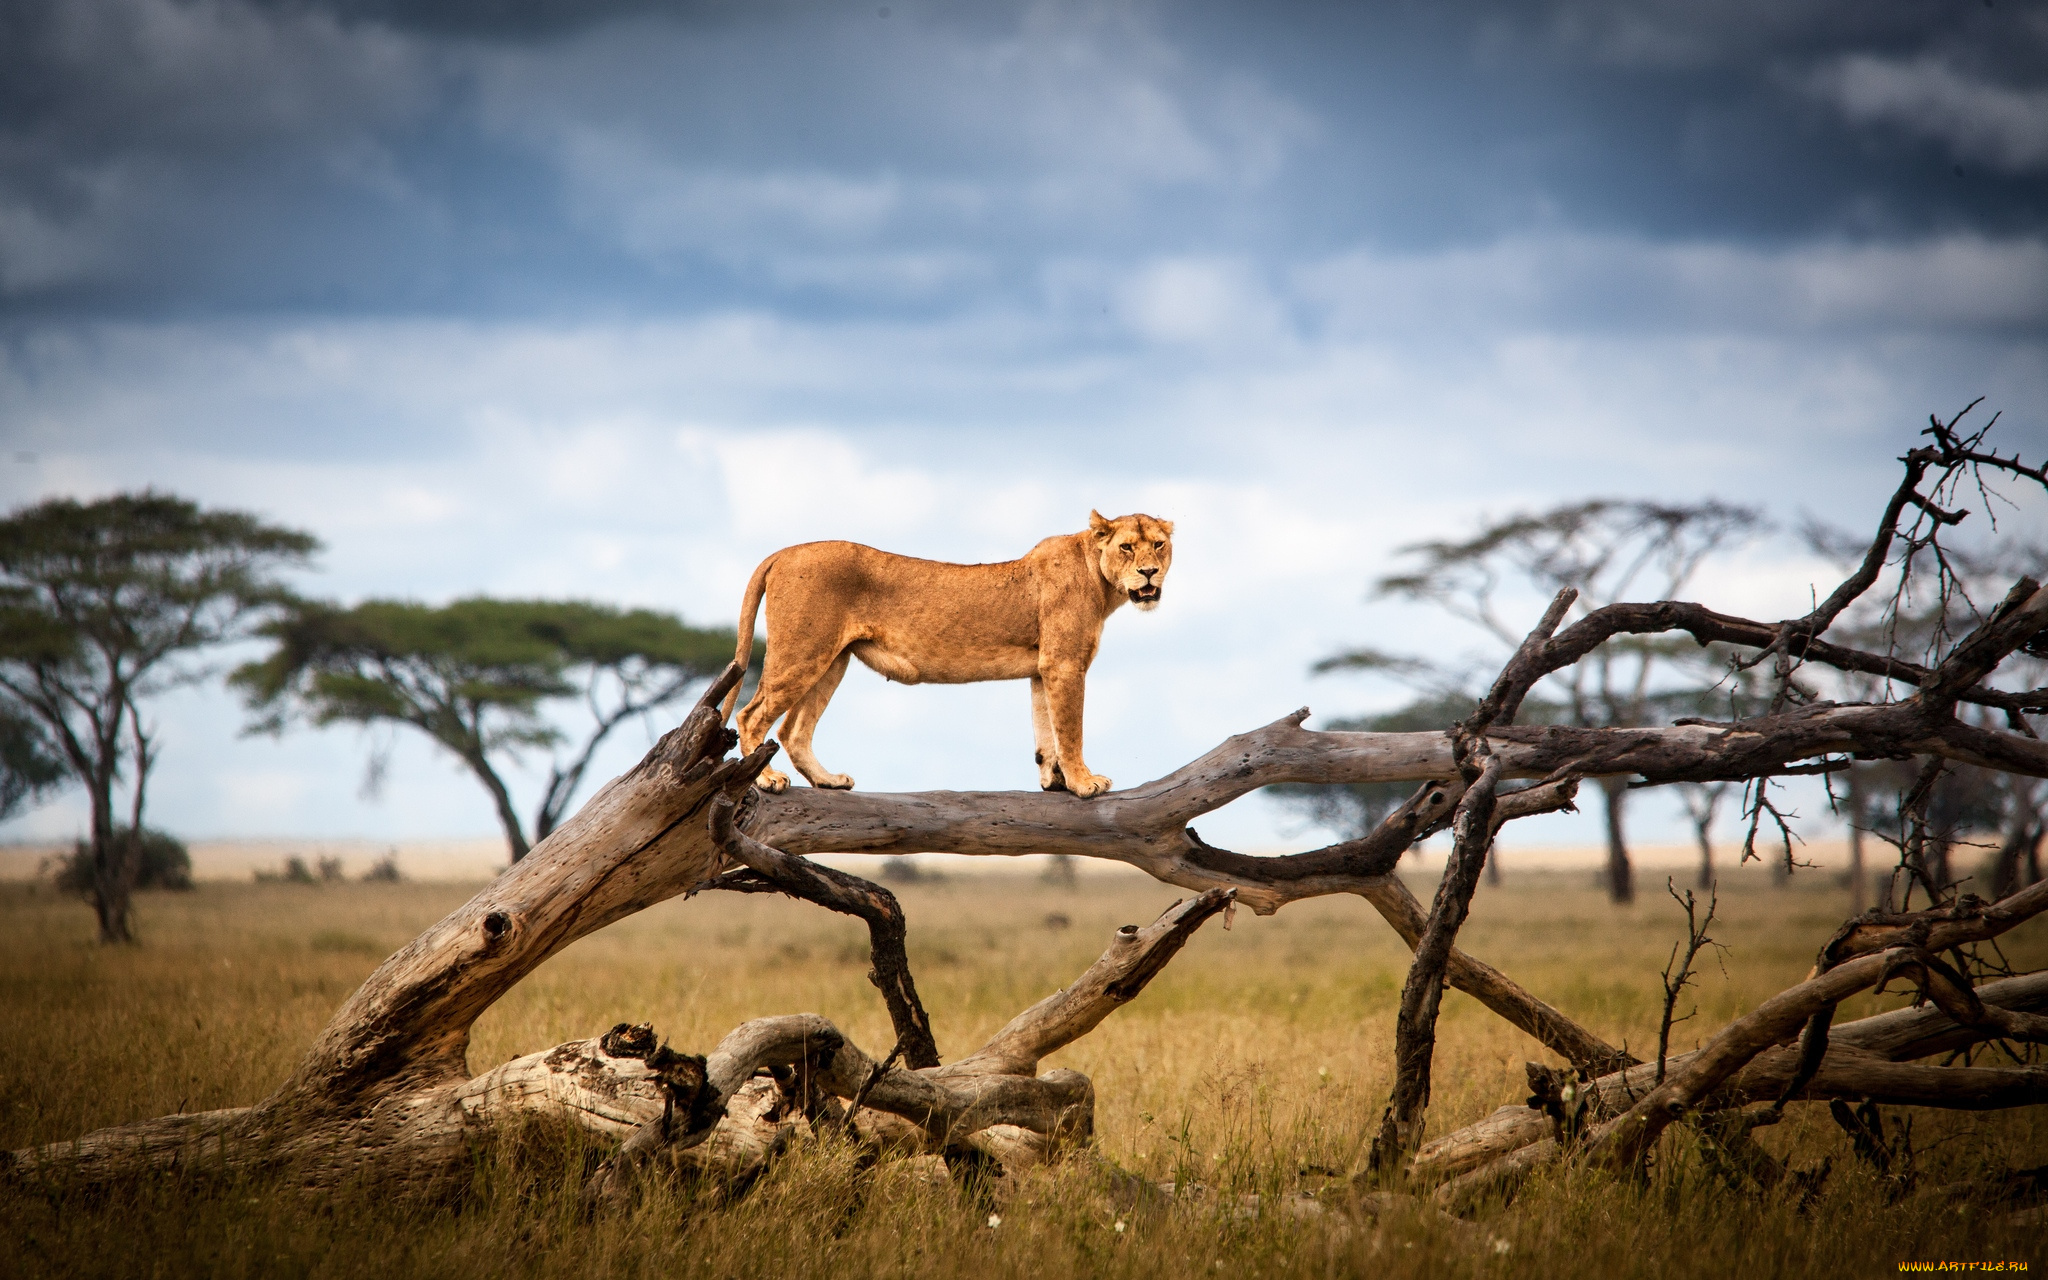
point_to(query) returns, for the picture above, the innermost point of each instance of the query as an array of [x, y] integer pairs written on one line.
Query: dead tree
[[385, 1090], [1764, 1057]]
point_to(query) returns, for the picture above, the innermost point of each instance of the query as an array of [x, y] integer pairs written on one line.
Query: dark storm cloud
[[527, 158], [533, 19]]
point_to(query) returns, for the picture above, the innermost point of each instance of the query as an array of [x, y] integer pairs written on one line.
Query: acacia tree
[[1603, 551], [29, 766], [475, 675], [97, 602]]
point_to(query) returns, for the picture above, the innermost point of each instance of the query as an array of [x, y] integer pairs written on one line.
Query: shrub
[[166, 864], [901, 870]]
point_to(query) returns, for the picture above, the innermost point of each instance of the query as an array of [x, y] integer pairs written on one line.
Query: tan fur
[[926, 622]]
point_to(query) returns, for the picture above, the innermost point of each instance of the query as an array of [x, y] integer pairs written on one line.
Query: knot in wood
[[629, 1040], [496, 926]]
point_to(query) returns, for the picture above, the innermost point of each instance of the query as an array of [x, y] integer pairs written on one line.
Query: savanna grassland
[[1257, 1063]]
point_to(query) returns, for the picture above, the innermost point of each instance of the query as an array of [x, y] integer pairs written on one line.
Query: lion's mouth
[[1147, 594]]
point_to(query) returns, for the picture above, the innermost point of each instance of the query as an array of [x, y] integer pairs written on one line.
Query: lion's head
[[1135, 552]]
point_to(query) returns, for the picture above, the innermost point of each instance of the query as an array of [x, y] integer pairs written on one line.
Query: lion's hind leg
[[784, 688], [803, 722]]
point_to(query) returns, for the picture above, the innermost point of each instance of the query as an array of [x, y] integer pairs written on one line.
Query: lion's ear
[[1168, 526], [1098, 526]]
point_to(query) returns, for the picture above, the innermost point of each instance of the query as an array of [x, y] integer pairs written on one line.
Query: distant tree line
[[105, 604]]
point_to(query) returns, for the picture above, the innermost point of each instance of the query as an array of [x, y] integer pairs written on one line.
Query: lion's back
[[935, 607]]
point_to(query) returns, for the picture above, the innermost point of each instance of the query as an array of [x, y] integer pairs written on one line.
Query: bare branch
[[1135, 956], [1696, 940], [849, 895], [1422, 993]]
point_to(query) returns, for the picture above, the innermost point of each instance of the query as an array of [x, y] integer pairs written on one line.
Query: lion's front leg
[[1064, 689], [1045, 747]]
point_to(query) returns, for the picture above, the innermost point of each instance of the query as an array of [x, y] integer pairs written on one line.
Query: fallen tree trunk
[[381, 1091], [1146, 826], [384, 1092], [993, 1101], [1869, 1058], [1753, 1059]]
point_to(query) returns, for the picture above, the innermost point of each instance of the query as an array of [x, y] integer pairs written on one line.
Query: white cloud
[[1197, 301], [800, 485], [1993, 124]]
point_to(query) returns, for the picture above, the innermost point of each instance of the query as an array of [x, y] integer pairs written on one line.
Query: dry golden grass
[[1260, 1053]]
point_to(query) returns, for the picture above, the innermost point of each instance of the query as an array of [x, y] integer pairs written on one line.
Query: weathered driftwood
[[813, 821]]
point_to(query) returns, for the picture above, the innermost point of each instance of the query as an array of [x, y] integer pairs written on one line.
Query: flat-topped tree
[[99, 602], [476, 675], [29, 764]]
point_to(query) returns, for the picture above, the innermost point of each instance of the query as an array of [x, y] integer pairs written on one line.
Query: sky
[[610, 300]]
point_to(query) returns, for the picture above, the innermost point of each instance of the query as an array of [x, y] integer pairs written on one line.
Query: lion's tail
[[743, 653]]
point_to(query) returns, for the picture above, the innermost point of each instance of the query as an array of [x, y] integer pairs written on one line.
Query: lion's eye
[[1158, 545], [1127, 547]]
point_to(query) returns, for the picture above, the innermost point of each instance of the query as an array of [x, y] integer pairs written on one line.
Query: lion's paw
[[1088, 785], [833, 782], [1050, 778], [773, 781]]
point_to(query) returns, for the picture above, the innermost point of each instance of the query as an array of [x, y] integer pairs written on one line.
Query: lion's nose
[[1148, 573]]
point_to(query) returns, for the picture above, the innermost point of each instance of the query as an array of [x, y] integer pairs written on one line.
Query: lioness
[[925, 622]]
